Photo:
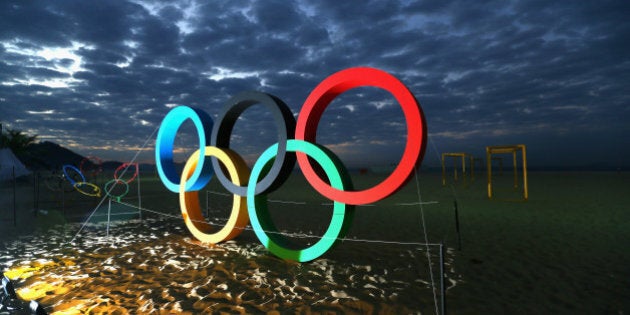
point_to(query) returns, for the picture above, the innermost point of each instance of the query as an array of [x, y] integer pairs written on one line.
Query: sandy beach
[[561, 252]]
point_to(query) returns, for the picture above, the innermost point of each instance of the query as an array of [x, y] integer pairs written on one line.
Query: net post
[[459, 237]]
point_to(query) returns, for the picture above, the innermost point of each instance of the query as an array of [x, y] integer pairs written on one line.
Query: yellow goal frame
[[502, 149], [455, 155]]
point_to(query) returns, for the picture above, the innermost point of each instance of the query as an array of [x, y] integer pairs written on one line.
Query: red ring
[[128, 165], [320, 98]]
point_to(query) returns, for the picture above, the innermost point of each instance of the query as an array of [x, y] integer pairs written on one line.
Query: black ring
[[222, 130]]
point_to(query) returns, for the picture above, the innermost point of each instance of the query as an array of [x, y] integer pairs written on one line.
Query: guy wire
[[115, 182]]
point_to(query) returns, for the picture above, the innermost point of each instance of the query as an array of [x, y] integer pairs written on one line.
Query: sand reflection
[[155, 267]]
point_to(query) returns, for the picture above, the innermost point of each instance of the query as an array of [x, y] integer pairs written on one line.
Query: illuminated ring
[[98, 165], [126, 167], [116, 181], [96, 192], [164, 148], [261, 221], [76, 170], [189, 201], [283, 117], [320, 98]]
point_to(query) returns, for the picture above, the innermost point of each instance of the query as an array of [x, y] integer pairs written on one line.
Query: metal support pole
[[489, 171], [442, 286], [525, 193], [63, 201], [14, 200], [515, 169], [459, 237]]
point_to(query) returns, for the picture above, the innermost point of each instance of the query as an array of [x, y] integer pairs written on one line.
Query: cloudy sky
[[99, 76]]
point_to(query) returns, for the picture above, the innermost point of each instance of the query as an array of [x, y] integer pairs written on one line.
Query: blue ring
[[164, 148], [65, 173]]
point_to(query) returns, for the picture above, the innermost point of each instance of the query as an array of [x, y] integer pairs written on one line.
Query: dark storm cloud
[[535, 72]]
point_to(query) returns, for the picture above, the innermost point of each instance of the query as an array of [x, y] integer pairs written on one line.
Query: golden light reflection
[[39, 290], [173, 274]]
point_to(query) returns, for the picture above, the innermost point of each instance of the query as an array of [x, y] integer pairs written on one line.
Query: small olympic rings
[[115, 181], [70, 178], [96, 192], [125, 167], [275, 163]]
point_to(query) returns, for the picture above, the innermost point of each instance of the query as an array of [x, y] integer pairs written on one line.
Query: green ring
[[118, 197], [259, 216]]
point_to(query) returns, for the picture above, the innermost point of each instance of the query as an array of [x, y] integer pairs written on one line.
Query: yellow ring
[[189, 200], [96, 191]]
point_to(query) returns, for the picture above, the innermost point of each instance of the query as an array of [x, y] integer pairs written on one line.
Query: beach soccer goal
[[508, 149], [455, 156]]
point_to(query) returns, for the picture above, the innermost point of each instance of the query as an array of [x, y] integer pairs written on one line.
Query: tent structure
[[10, 163]]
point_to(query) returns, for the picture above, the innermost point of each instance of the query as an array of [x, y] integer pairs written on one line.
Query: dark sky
[[98, 76]]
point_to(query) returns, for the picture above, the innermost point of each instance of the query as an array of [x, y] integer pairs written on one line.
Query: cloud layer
[[100, 76]]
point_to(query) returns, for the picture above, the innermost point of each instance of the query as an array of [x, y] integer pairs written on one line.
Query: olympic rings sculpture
[[80, 185], [119, 181], [275, 164]]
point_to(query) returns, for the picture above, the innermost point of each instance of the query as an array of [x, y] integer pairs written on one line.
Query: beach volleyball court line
[[415, 203], [296, 235]]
